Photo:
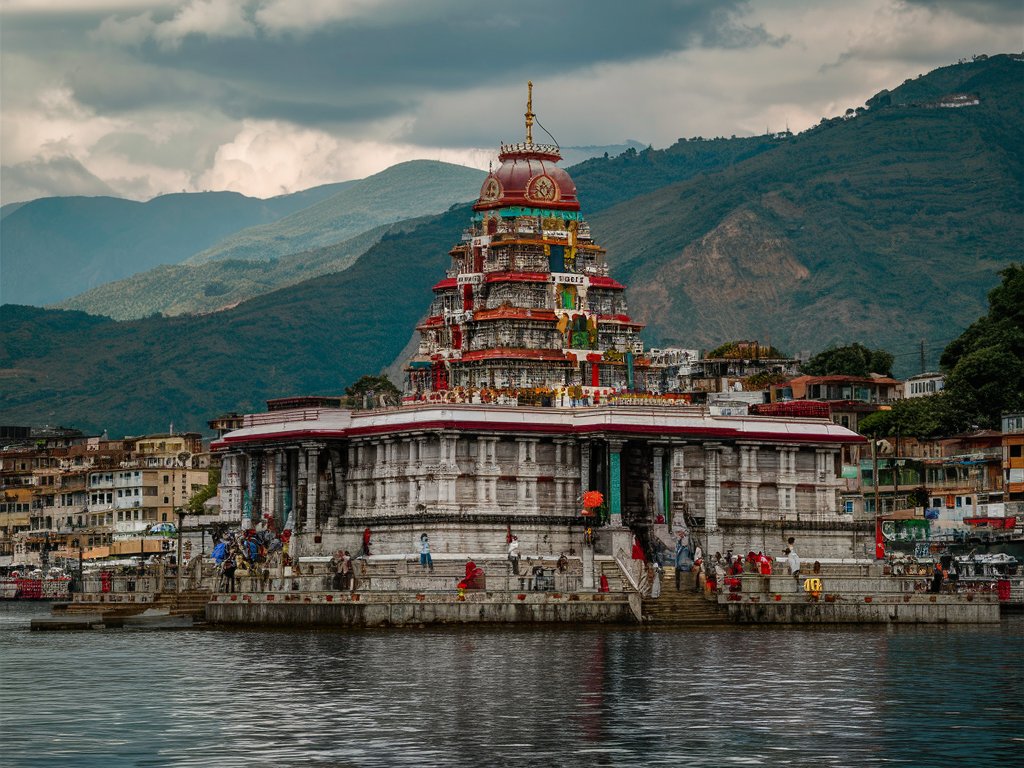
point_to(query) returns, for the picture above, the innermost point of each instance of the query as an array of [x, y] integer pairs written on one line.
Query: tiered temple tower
[[527, 309]]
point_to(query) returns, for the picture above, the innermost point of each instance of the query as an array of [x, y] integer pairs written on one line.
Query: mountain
[[56, 247], [889, 227], [316, 337], [181, 289], [886, 228], [403, 191]]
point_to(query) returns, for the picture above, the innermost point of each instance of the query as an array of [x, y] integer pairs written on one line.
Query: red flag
[[879, 541]]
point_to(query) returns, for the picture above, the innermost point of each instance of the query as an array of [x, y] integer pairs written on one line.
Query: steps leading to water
[[683, 608]]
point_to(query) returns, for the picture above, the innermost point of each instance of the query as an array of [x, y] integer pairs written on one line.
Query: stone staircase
[[188, 603], [682, 608]]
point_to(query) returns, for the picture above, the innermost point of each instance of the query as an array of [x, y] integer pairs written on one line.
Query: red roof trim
[[504, 353], [526, 277], [599, 281], [483, 426], [448, 282], [514, 313]]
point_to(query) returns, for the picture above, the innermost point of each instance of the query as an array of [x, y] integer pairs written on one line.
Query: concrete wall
[[333, 610]]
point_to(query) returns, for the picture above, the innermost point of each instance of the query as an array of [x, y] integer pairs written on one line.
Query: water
[[913, 696]]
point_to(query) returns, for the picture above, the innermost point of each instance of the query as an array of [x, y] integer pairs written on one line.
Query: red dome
[[528, 177]]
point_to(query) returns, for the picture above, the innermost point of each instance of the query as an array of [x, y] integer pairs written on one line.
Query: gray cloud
[[264, 96], [54, 177]]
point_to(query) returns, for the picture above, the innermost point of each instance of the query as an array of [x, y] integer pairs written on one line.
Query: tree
[[852, 360], [373, 392], [195, 504], [985, 364]]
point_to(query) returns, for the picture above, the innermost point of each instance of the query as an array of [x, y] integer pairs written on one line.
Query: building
[[529, 387], [64, 492], [1013, 458], [924, 384]]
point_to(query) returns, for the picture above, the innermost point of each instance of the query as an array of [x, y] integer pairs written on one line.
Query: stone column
[[677, 486], [658, 480], [312, 485], [712, 495], [352, 483], [615, 482], [750, 478], [526, 473]]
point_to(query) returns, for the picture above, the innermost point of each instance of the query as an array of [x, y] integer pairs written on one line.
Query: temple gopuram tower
[[527, 309]]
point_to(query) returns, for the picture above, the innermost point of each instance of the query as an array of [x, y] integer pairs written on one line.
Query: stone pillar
[[677, 487], [750, 478], [658, 481], [526, 474], [615, 482], [712, 496], [312, 485], [786, 480], [352, 482], [585, 466]]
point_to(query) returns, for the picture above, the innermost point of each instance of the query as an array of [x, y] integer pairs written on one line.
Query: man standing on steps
[[682, 559], [513, 554], [794, 561]]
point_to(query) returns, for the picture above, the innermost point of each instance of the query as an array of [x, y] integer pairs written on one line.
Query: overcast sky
[[264, 97]]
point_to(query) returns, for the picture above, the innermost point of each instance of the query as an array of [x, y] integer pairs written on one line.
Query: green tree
[[204, 494], [852, 360], [985, 364], [372, 392]]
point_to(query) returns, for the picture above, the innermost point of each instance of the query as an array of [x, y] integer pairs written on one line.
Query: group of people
[[252, 551]]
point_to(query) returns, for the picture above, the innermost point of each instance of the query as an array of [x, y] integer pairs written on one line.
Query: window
[[959, 501], [848, 506], [1015, 451]]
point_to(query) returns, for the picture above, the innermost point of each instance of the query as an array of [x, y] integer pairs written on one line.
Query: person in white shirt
[[794, 565], [513, 554]]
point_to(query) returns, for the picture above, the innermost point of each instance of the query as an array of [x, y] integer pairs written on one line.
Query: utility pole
[[923, 369]]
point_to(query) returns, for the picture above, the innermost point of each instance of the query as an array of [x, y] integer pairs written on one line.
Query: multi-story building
[[66, 492], [1013, 458]]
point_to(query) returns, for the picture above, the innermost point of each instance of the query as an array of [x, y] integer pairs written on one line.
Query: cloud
[[269, 158], [49, 177], [264, 96], [206, 18]]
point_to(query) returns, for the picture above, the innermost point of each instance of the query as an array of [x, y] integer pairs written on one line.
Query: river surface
[[508, 696]]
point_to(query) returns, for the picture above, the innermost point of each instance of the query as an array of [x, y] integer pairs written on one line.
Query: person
[[513, 554], [937, 577], [719, 572], [337, 562], [794, 564], [638, 550], [366, 543], [563, 563], [682, 558], [604, 584], [426, 561], [656, 580], [698, 567], [230, 565], [348, 580]]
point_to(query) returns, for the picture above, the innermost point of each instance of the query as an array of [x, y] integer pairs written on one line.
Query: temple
[[530, 387], [528, 309]]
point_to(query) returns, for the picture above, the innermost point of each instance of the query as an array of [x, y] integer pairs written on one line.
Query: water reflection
[[525, 697]]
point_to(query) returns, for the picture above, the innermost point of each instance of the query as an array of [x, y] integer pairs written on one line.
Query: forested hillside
[[886, 228]]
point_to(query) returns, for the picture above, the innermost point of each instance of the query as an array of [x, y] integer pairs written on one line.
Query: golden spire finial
[[529, 112]]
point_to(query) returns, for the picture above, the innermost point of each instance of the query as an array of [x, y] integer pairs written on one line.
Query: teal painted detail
[[615, 491], [629, 370], [516, 210]]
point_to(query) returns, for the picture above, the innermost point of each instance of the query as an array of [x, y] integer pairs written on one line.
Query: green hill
[[316, 337], [889, 227], [181, 289], [57, 247], [403, 191], [885, 228]]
